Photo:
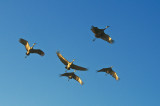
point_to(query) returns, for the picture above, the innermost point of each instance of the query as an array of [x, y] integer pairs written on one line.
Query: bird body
[[30, 49], [99, 33], [69, 64], [110, 71], [72, 75]]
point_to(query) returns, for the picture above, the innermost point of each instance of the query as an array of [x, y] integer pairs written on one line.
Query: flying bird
[[99, 33], [72, 75], [30, 49], [70, 64], [109, 71]]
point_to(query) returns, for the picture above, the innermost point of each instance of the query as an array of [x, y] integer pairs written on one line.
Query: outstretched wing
[[25, 43], [95, 30], [77, 79], [38, 51], [73, 66], [102, 70], [107, 38], [66, 74], [63, 60], [114, 74]]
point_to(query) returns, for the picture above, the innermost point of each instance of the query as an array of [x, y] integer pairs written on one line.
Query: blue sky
[[65, 26]]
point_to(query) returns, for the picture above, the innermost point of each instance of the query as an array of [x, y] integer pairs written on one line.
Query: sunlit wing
[[114, 74], [78, 67], [63, 60], [107, 38], [38, 51], [77, 79], [25, 43]]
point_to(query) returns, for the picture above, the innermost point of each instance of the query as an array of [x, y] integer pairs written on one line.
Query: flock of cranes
[[99, 33]]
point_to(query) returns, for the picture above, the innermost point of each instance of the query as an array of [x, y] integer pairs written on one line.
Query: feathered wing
[[109, 71], [107, 38], [38, 51], [63, 60], [66, 74], [102, 70], [25, 43], [114, 74], [77, 79], [98, 32], [95, 30], [73, 66]]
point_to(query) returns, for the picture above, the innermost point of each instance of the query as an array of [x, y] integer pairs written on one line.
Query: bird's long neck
[[32, 46], [73, 61]]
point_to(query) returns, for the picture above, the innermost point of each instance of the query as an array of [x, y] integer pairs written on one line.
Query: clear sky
[[65, 25]]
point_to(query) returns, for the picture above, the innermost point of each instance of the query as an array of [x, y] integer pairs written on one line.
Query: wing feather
[[63, 60], [38, 51], [73, 66], [77, 79], [25, 43], [102, 70], [107, 38], [114, 74], [66, 74]]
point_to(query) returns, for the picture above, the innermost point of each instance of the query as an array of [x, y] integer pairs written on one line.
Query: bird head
[[107, 26]]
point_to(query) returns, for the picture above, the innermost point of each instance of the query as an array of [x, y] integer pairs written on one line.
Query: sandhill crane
[[70, 64], [99, 33], [30, 49], [72, 75], [109, 71]]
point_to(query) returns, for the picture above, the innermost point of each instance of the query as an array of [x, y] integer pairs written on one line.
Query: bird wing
[[73, 66], [94, 29], [102, 70], [114, 74], [77, 79], [63, 60], [107, 38], [25, 43], [66, 74], [38, 51], [97, 31]]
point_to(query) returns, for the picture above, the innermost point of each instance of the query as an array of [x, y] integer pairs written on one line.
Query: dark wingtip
[[92, 27], [82, 83], [43, 54], [97, 70], [112, 41]]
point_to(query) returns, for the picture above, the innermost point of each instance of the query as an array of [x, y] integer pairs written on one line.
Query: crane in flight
[[110, 71], [99, 33], [69, 64], [30, 49]]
